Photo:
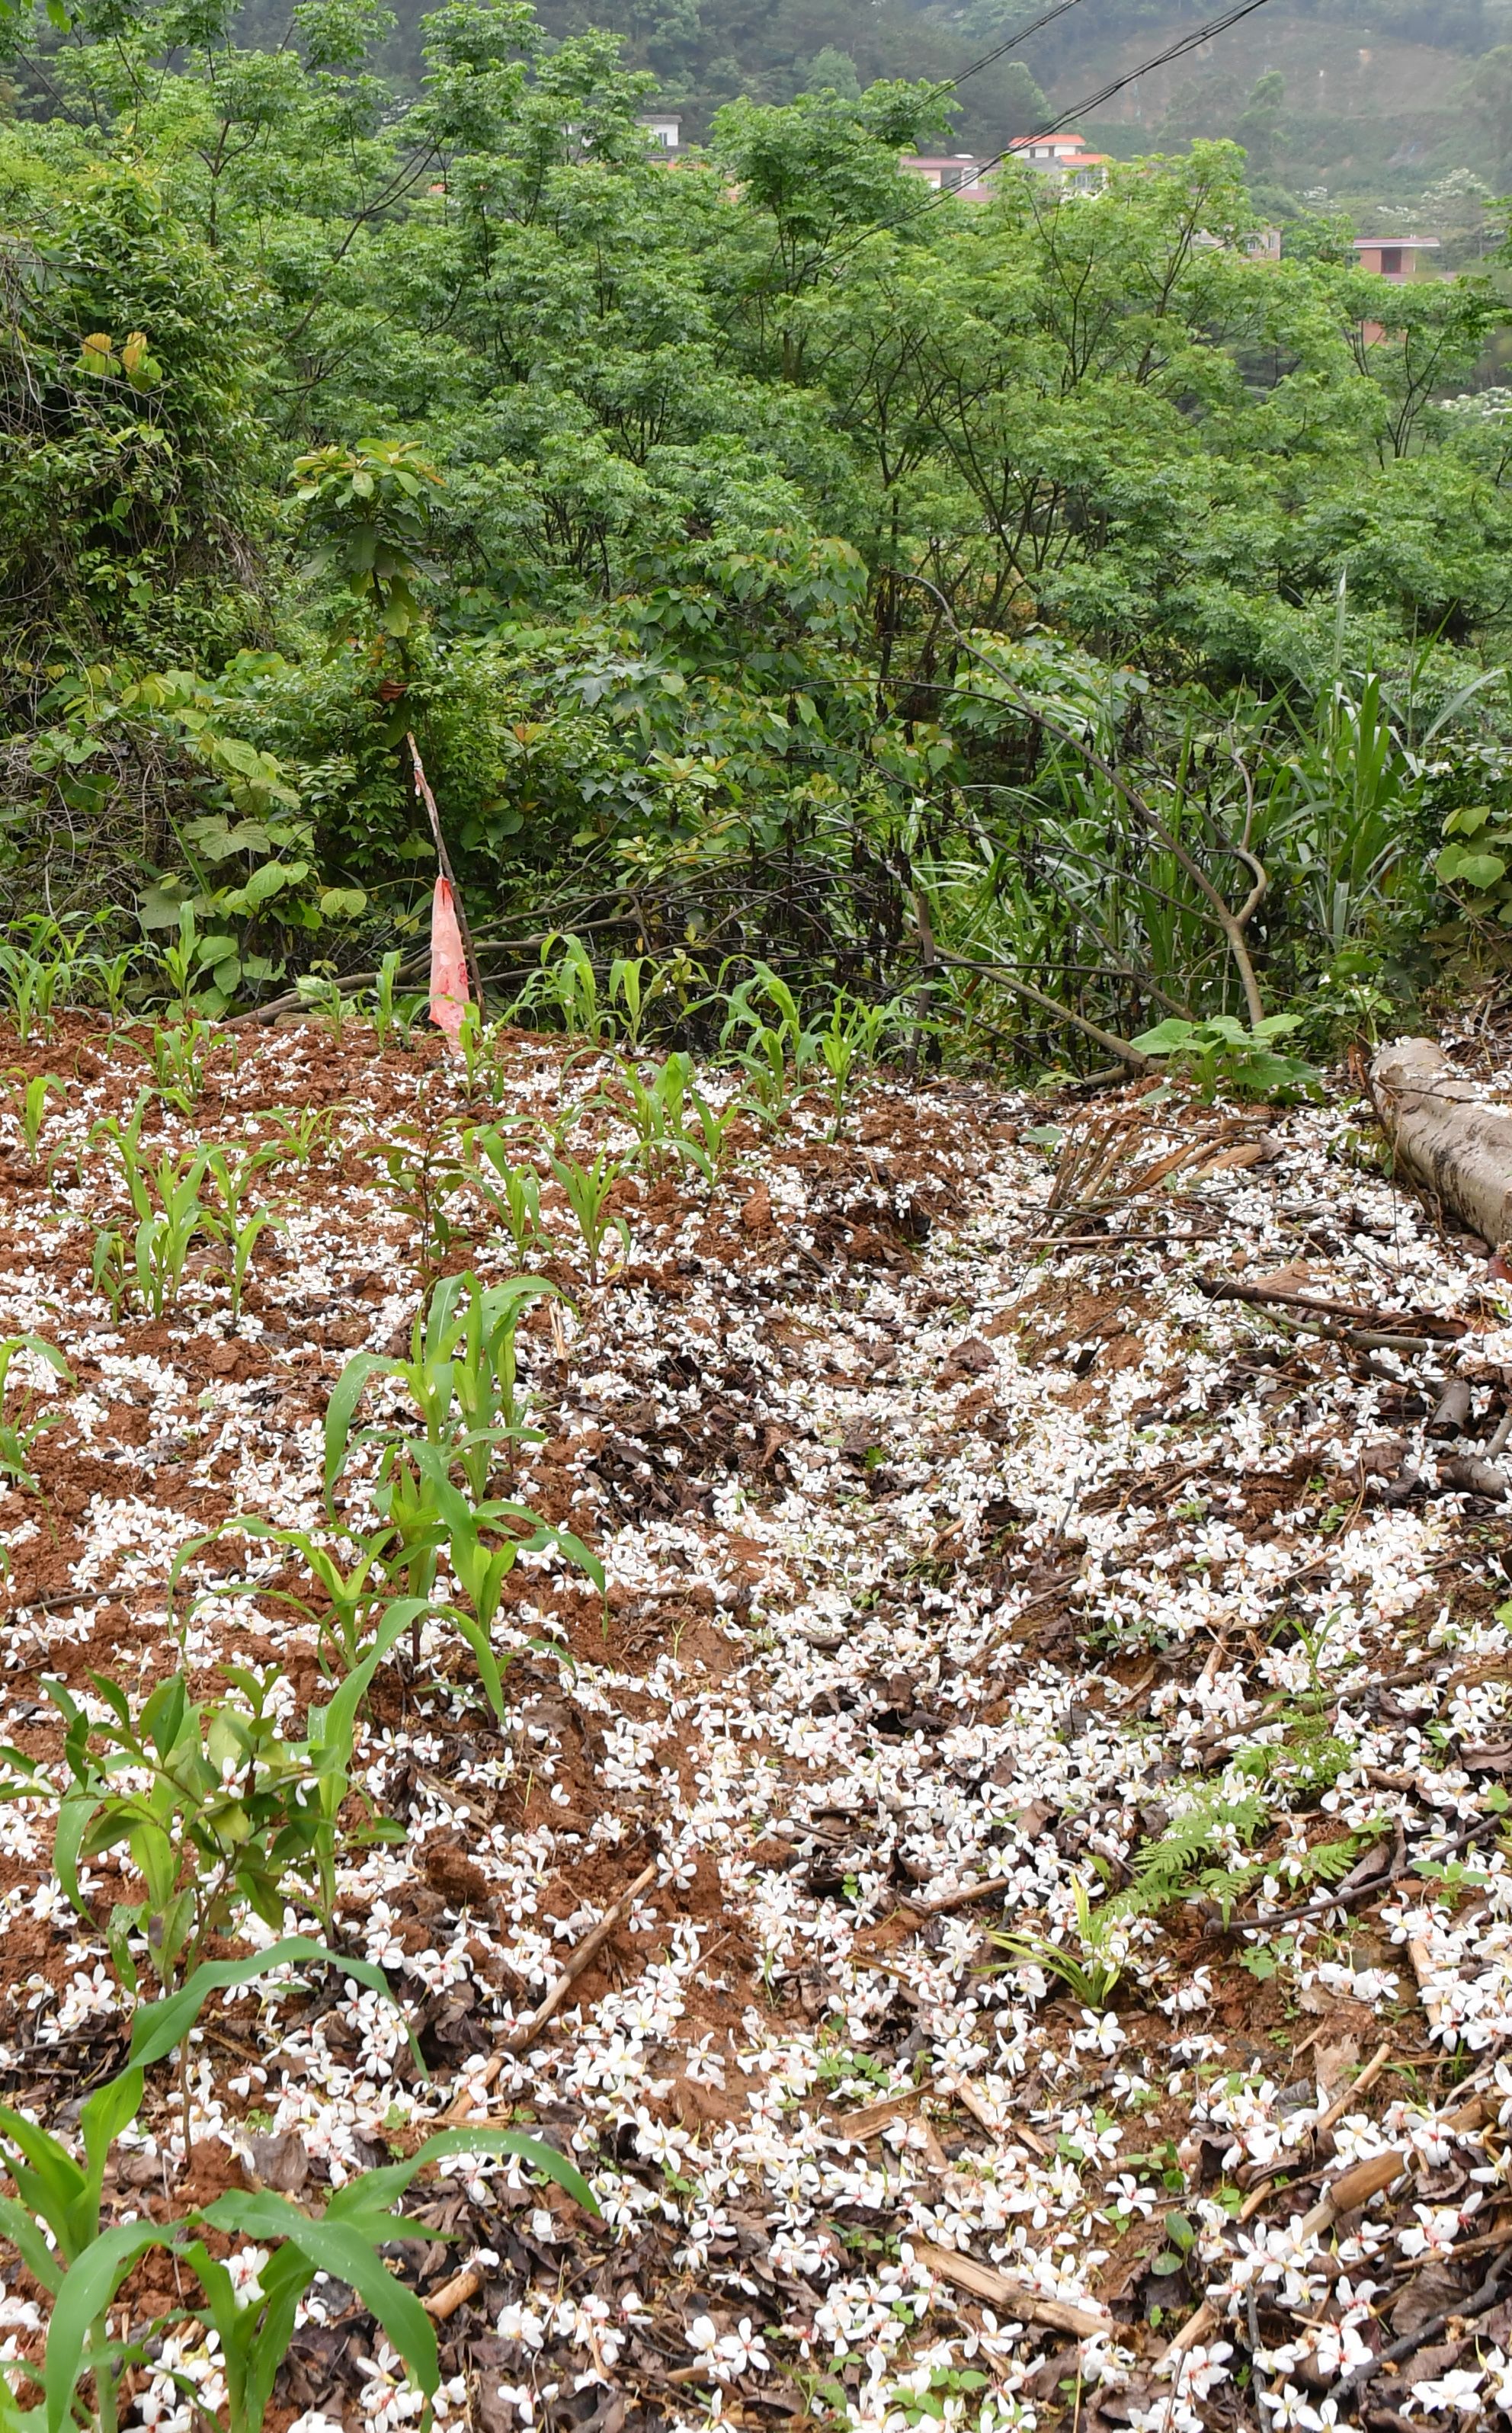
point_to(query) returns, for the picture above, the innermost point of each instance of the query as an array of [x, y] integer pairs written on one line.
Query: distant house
[[954, 173], [1063, 158], [1397, 258], [665, 131], [1066, 158]]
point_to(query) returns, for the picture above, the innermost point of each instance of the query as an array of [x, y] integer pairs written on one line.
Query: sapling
[[420, 1167]]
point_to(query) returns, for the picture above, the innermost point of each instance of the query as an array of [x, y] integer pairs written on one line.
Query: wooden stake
[[422, 787]]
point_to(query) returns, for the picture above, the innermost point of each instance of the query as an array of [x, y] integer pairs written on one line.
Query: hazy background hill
[[1351, 102]]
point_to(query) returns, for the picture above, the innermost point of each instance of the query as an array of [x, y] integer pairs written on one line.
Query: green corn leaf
[[17, 2225], [347, 2253], [158, 2027], [87, 2289]]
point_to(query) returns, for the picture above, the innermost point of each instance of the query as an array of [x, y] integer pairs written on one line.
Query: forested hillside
[[750, 515], [1378, 100]]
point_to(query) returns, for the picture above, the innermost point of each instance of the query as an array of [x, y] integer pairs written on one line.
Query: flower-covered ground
[[1065, 1713]]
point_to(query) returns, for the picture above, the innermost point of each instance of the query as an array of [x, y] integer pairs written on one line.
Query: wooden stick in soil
[[592, 1943]]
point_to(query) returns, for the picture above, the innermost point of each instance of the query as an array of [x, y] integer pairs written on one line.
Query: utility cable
[[1036, 27]]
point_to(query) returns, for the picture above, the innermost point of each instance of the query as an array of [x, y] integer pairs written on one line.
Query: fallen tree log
[[1443, 1137]]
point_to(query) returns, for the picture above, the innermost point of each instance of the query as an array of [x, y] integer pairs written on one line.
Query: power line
[[1190, 42], [1037, 26]]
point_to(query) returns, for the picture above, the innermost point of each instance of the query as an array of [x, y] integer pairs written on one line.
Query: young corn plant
[[26, 1105], [238, 1225], [707, 1138], [351, 1602], [40, 961], [588, 1190], [125, 1139], [152, 1271], [394, 1017], [1090, 1973], [569, 985], [345, 2240], [21, 1423], [630, 988], [217, 1813], [512, 1193], [461, 1377], [176, 1052], [301, 1133], [54, 2224], [484, 1542], [849, 1042], [777, 1055], [654, 1109]]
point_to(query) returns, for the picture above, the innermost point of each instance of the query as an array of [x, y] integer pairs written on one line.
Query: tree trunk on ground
[[1453, 1144]]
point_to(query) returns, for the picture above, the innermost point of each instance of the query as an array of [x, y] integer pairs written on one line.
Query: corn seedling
[[238, 1225], [777, 1054], [151, 1271], [629, 987], [512, 1193], [394, 1017], [53, 2222], [113, 975], [586, 1190], [351, 1605], [707, 1140], [28, 1105], [654, 1109], [1091, 1975], [484, 1542], [20, 1428], [229, 1816], [460, 1375], [849, 1042], [299, 1133], [37, 970], [569, 985], [177, 1052], [241, 1239], [345, 2241], [125, 1139]]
